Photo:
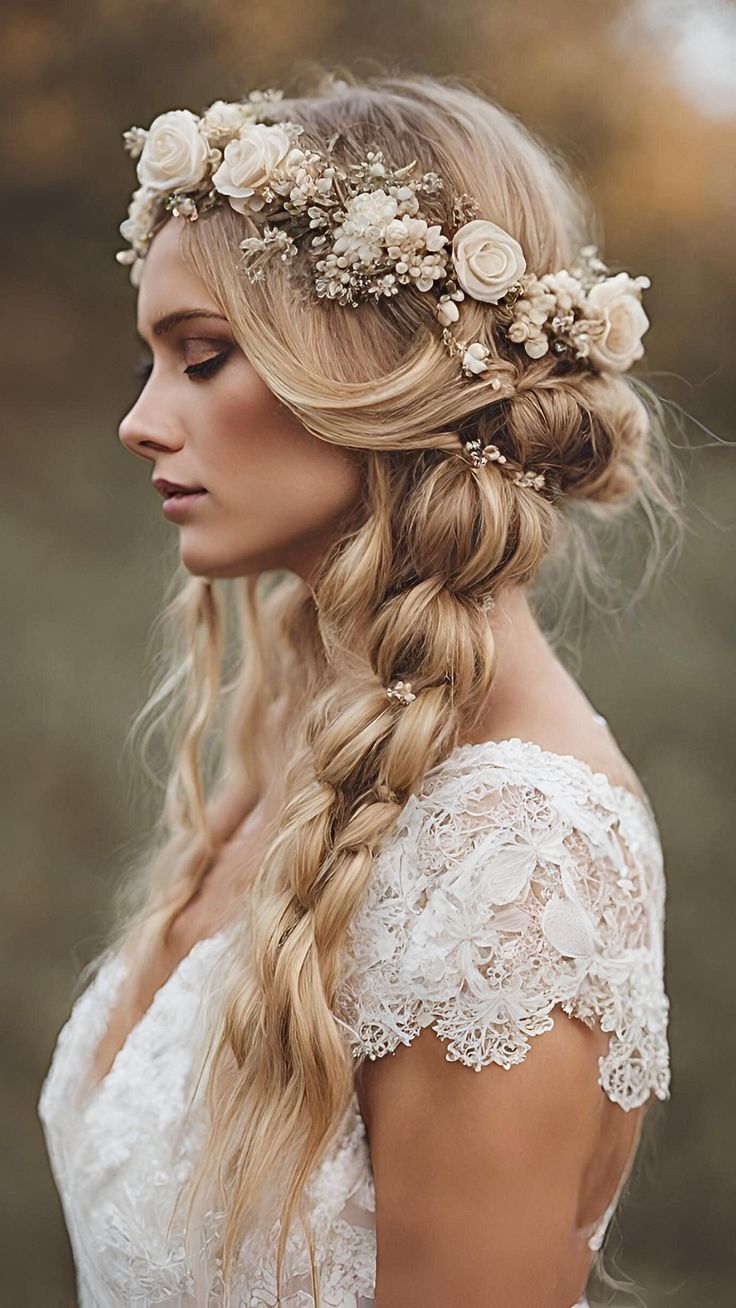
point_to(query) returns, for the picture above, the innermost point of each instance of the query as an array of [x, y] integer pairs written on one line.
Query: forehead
[[167, 282]]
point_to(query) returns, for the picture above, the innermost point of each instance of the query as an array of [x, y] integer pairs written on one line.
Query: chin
[[200, 563], [203, 567]]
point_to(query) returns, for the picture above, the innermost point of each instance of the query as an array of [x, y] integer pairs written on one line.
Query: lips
[[175, 489]]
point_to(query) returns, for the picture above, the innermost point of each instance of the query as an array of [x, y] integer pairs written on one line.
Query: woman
[[387, 382]]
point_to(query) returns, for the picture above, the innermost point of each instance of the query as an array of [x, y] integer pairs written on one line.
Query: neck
[[527, 668]]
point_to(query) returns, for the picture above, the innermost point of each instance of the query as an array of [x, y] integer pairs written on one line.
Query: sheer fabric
[[515, 880]]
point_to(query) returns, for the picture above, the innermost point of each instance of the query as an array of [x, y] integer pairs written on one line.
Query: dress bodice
[[514, 880]]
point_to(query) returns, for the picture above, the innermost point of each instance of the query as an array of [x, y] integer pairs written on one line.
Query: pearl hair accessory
[[366, 236], [400, 690], [491, 454]]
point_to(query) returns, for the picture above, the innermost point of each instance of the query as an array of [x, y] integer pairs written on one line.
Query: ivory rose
[[487, 260], [620, 344], [175, 154], [249, 161]]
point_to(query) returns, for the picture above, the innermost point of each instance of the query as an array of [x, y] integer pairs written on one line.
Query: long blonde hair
[[401, 593]]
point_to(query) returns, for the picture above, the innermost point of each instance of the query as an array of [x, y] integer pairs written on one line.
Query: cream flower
[[474, 359], [487, 260], [143, 213], [620, 344], [224, 119], [176, 153], [447, 311], [408, 234], [359, 239], [367, 214], [416, 249], [248, 162]]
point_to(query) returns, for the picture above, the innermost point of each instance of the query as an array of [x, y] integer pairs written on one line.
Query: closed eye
[[206, 368]]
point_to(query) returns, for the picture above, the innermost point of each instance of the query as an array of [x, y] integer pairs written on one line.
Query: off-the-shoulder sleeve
[[508, 889]]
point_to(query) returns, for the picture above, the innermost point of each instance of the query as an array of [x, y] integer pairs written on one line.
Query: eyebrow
[[170, 320]]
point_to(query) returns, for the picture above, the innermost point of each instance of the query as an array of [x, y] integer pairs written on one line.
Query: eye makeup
[[207, 368]]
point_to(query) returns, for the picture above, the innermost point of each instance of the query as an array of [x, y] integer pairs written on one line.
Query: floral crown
[[366, 235]]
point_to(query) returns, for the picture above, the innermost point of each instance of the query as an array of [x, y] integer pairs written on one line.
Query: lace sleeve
[[509, 890]]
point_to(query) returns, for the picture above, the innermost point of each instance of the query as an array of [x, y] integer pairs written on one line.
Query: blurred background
[[641, 96]]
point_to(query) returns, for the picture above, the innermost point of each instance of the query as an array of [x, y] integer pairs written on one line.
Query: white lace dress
[[515, 879]]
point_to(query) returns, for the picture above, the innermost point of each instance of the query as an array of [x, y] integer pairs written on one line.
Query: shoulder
[[517, 883]]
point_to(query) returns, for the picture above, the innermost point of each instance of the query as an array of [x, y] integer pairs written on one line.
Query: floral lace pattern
[[514, 880], [522, 882]]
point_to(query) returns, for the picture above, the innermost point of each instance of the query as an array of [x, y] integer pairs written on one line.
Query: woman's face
[[276, 495]]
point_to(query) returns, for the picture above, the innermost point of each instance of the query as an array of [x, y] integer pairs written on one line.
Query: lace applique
[[121, 1151], [521, 881]]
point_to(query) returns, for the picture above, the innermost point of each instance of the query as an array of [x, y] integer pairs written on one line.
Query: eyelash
[[197, 370]]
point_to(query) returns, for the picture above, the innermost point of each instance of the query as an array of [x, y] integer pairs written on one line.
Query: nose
[[144, 435]]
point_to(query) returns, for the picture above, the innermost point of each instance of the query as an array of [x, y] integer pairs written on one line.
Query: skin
[[276, 493]]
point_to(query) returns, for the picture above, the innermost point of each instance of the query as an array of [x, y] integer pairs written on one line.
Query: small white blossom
[[134, 140], [385, 285], [493, 454], [274, 241], [447, 311], [144, 211], [360, 237], [222, 120], [533, 480], [474, 357], [542, 300], [185, 208]]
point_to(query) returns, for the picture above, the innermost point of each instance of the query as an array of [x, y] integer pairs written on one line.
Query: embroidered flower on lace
[[121, 1154], [509, 903]]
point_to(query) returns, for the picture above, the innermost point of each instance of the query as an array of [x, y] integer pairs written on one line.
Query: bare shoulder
[[563, 721]]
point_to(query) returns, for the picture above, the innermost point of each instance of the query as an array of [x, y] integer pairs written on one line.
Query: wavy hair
[[401, 592]]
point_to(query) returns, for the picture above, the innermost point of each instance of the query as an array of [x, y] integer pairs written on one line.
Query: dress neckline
[[117, 970], [530, 750]]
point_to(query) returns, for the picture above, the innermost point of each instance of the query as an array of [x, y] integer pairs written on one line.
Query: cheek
[[264, 461]]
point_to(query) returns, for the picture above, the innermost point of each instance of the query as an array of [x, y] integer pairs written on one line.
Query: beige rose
[[176, 153], [620, 344], [487, 260], [249, 161]]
